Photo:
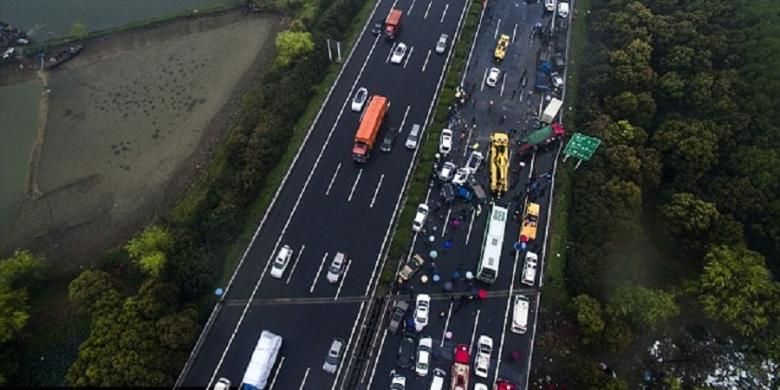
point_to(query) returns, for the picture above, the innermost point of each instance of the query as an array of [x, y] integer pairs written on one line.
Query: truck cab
[[393, 23], [530, 223], [501, 46]]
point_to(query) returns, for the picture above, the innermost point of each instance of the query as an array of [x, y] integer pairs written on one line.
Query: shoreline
[[32, 190]]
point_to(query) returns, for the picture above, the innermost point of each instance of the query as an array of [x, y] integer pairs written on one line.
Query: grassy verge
[[275, 177], [555, 290], [418, 186]]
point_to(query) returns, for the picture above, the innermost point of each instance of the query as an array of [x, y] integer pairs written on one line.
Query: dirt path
[[33, 192]]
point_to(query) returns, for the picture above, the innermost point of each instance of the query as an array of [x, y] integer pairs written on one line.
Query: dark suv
[[406, 352]]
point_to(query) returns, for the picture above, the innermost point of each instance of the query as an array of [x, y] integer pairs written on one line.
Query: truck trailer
[[551, 111], [263, 359], [393, 23], [369, 127], [540, 138]]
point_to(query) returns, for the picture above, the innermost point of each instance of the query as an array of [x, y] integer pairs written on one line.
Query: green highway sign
[[581, 146]]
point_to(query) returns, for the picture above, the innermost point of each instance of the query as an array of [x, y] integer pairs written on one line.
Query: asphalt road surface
[[505, 107], [329, 204]]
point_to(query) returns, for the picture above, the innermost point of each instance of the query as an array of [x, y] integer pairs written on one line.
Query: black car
[[388, 141], [447, 193], [377, 29], [559, 61], [406, 352]]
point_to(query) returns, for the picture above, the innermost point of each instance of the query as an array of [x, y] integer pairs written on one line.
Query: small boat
[[58, 57]]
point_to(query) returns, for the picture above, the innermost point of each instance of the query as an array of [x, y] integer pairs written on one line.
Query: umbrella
[[482, 293], [447, 286], [436, 278], [469, 275], [447, 244], [424, 279], [431, 238], [433, 254], [455, 275]]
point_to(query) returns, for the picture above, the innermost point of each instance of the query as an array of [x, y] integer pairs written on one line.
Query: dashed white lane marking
[[503, 82], [484, 77], [443, 14], [446, 325], [474, 331], [498, 26], [425, 17], [408, 56], [514, 32], [506, 314], [295, 264], [333, 179], [316, 277], [471, 223], [390, 53], [409, 11], [378, 186], [447, 218], [343, 278], [305, 376], [468, 140], [427, 57], [354, 185], [403, 120], [276, 373], [290, 216]]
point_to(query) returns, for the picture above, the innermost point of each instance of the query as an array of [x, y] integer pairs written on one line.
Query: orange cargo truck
[[393, 23], [369, 127]]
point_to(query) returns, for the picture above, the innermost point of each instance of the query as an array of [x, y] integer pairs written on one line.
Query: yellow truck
[[499, 163], [530, 222], [501, 46]]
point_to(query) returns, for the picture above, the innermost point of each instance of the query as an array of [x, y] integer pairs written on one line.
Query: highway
[[502, 108], [329, 204]]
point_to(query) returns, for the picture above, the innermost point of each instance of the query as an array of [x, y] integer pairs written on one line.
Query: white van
[[529, 270], [520, 314], [438, 379], [413, 138]]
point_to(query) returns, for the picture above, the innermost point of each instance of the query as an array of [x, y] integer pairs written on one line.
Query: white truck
[[482, 361], [263, 359], [551, 111]]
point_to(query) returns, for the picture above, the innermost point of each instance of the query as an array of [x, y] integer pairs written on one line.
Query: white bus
[[487, 269], [263, 359]]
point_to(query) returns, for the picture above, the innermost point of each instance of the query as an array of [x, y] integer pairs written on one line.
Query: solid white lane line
[[498, 26], [390, 53], [503, 83], [357, 179], [408, 56], [425, 17], [316, 277], [333, 179], [446, 219], [305, 376], [295, 264], [443, 14], [409, 11], [474, 331], [484, 77], [531, 166], [446, 324], [376, 361], [471, 223], [427, 57], [289, 217], [378, 186], [385, 310], [276, 373], [343, 278], [506, 315], [514, 32], [541, 101], [403, 120]]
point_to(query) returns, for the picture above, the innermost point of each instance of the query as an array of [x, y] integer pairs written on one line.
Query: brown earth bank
[[129, 123]]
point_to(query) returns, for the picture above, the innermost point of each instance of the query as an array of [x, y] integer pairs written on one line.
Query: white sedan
[[461, 176], [447, 170], [492, 77], [474, 161], [398, 53], [445, 142], [359, 100], [424, 348], [422, 312], [563, 9], [419, 218]]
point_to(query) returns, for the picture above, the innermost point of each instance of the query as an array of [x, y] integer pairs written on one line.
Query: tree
[[291, 45], [149, 249], [689, 149], [94, 291], [17, 273], [641, 306], [589, 317], [688, 217], [736, 288]]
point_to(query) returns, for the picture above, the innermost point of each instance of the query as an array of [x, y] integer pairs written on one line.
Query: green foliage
[[94, 291], [587, 375], [589, 317], [79, 30], [292, 45], [149, 249], [736, 288], [641, 306]]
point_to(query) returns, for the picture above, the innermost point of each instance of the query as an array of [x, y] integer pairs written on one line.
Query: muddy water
[[45, 19], [18, 114]]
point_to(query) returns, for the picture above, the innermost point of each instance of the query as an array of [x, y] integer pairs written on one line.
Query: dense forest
[[683, 94], [145, 302]]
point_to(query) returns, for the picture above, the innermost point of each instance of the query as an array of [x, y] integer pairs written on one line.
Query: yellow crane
[[499, 163]]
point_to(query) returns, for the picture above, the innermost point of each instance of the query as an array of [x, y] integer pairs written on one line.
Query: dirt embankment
[[126, 126]]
